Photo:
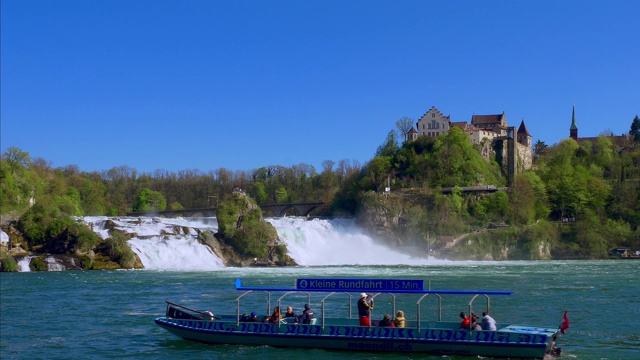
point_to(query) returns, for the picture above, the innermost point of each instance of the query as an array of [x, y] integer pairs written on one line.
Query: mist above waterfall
[[171, 244], [335, 242]]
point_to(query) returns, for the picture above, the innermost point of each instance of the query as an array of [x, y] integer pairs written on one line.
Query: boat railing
[[439, 307], [324, 299], [424, 294], [471, 304], [238, 306]]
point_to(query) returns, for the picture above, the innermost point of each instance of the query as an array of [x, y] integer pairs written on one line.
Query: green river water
[[109, 314]]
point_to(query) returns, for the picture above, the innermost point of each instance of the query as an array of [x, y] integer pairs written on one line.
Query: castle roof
[[523, 129], [487, 119], [463, 125], [436, 111]]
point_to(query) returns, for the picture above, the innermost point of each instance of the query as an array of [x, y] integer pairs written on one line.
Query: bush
[[118, 250], [35, 222], [38, 264], [8, 263]]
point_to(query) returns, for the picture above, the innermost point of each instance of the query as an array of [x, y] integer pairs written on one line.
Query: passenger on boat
[[290, 313], [399, 320], [244, 318], [488, 323], [466, 322], [254, 317], [364, 310], [307, 315], [386, 321], [276, 316], [474, 322]]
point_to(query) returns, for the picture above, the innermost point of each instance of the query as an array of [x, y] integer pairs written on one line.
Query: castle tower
[[524, 137], [412, 134], [573, 130]]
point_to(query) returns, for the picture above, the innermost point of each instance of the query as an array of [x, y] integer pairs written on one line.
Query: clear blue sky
[[209, 84]]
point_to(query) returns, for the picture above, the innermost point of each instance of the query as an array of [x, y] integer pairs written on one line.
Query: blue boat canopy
[[366, 285]]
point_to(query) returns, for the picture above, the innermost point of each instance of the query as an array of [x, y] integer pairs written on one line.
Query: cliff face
[[402, 223]]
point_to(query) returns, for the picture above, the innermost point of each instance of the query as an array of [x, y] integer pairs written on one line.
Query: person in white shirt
[[488, 323]]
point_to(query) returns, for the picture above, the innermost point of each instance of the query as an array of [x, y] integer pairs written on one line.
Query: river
[[109, 314]]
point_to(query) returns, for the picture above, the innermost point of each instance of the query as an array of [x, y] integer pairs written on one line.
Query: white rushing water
[[4, 237], [171, 244], [335, 242], [164, 244], [23, 264]]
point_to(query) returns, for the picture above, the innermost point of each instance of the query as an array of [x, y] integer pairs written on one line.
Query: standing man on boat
[[364, 310]]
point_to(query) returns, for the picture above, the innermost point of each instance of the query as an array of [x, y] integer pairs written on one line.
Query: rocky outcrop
[[244, 237], [383, 217]]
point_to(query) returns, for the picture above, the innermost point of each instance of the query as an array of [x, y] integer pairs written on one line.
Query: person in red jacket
[[466, 322]]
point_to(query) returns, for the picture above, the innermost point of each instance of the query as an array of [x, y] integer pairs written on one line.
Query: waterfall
[[335, 242], [23, 264], [171, 244], [164, 244], [54, 265]]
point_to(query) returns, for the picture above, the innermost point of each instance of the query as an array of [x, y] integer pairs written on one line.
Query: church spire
[[573, 130]]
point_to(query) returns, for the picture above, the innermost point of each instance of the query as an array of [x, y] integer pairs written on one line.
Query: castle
[[489, 132]]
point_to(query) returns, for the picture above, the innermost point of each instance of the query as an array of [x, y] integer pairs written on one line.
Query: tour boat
[[327, 331]]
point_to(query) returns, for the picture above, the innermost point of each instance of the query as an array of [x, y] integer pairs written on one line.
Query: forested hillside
[[584, 197]]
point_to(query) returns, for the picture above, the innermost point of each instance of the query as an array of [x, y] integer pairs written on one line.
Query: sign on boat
[[330, 330]]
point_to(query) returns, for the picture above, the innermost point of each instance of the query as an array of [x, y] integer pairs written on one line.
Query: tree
[[404, 124], [16, 157], [635, 129], [149, 200], [539, 148], [390, 145]]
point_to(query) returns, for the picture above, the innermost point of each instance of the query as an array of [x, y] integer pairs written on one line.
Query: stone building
[[485, 131], [433, 123]]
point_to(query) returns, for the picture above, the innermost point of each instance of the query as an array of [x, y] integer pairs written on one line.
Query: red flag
[[564, 325]]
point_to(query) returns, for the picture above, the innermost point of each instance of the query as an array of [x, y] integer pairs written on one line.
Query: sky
[[208, 84]]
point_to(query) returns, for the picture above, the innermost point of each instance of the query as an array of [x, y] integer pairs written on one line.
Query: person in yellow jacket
[[399, 320]]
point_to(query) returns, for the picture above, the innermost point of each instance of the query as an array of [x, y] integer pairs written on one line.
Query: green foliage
[[16, 158], [487, 245], [69, 203], [241, 224], [176, 206], [596, 183], [390, 145], [259, 193], [38, 263], [282, 196], [534, 240], [149, 200], [8, 263], [634, 132], [118, 250], [34, 224]]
